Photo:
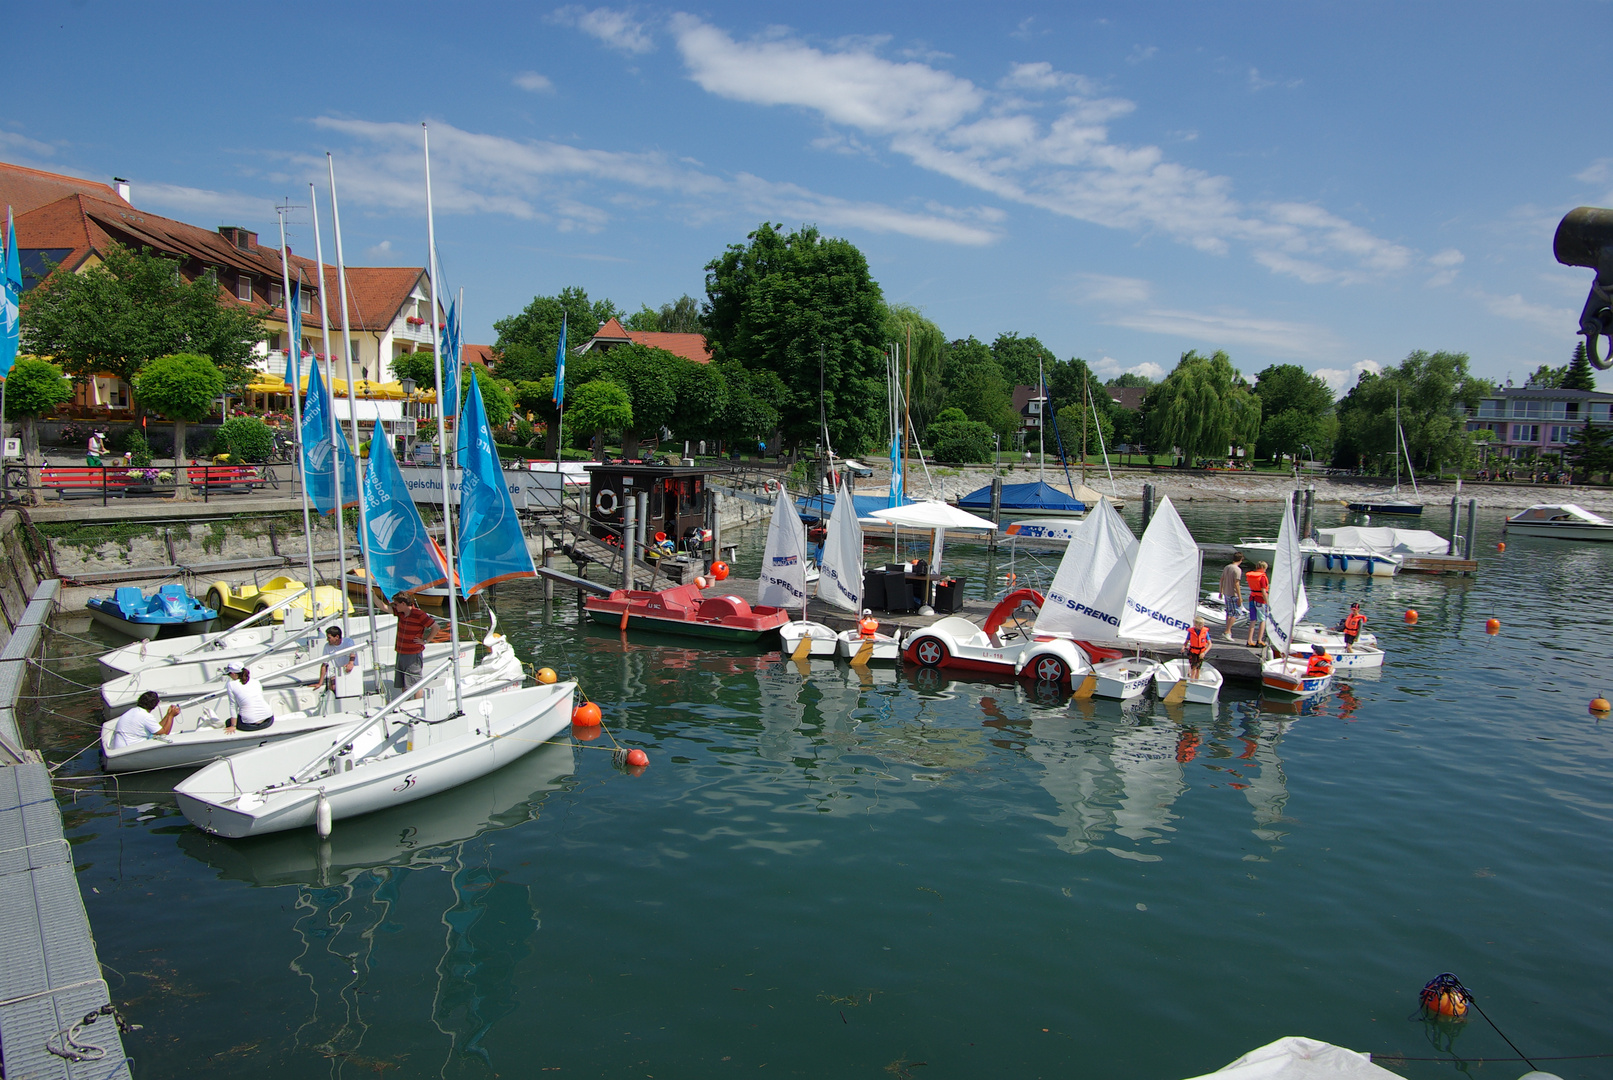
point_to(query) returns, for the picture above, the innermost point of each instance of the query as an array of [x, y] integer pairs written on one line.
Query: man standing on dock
[[1232, 589], [414, 629]]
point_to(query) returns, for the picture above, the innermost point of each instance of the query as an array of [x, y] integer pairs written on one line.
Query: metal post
[[629, 538], [1472, 525], [543, 546], [1310, 513], [996, 506], [1148, 504], [716, 528], [1455, 543], [643, 498]]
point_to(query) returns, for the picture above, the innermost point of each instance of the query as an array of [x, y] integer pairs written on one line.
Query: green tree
[[183, 388], [650, 377], [1436, 393], [906, 326], [806, 309], [1130, 379], [974, 382], [131, 309], [754, 403], [1203, 408], [1547, 377], [1018, 358], [245, 438], [1290, 389], [954, 438], [1590, 451], [1100, 435], [1069, 382], [681, 316], [599, 407], [496, 399], [33, 389], [526, 342], [420, 365], [702, 402], [1579, 374]]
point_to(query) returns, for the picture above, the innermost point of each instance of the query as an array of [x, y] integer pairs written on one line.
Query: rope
[[59, 675], [65, 761]]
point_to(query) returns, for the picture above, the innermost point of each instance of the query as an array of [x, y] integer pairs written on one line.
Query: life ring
[[771, 486], [605, 502]]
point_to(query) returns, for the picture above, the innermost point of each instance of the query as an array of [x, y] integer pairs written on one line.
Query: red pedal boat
[[683, 609]]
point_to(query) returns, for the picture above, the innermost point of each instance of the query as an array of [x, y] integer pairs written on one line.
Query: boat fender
[[1501, 545], [586, 715], [1600, 706], [719, 571], [547, 675], [1445, 997], [322, 816], [700, 582], [637, 758]]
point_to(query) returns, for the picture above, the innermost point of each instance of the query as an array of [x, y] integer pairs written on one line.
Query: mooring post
[[1456, 504], [629, 537], [643, 520], [1472, 527], [996, 507], [716, 528], [1148, 504], [547, 553], [1310, 513]]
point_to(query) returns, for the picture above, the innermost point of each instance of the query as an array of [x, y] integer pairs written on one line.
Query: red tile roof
[[25, 189], [477, 354], [689, 346]]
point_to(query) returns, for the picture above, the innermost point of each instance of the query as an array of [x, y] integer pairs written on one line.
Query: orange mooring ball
[[637, 758], [1600, 706], [1411, 615], [586, 715], [546, 675], [1445, 997], [1501, 545], [719, 570], [1492, 626]]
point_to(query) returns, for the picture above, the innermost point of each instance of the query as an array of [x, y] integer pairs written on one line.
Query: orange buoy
[[1501, 545], [637, 757], [546, 675], [1411, 615], [586, 715], [1600, 706], [1492, 626], [1445, 997], [719, 570]]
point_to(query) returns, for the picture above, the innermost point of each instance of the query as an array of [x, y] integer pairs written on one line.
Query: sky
[[1327, 184]]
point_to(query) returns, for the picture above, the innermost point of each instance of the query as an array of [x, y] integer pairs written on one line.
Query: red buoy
[[637, 757], [586, 715], [1411, 615], [719, 570], [1492, 626], [1501, 545]]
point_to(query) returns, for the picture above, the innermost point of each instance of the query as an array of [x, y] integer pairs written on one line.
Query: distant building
[[689, 346], [1029, 405], [1531, 420], [1129, 398]]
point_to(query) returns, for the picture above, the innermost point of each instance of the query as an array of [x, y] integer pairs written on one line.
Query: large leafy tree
[[183, 388], [599, 407], [1590, 450], [130, 309], [1130, 378], [1435, 392], [680, 316], [526, 342], [702, 401], [974, 383], [923, 347], [421, 366], [1296, 410], [755, 403], [1203, 407], [1019, 356], [806, 309], [650, 377], [33, 388]]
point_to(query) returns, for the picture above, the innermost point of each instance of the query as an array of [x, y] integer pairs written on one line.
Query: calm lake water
[[823, 874]]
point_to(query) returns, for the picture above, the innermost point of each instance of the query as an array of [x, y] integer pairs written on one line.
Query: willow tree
[[1203, 408], [923, 346]]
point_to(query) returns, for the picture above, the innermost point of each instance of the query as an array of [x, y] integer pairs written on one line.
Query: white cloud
[[1054, 153], [1221, 329], [381, 252], [1139, 53], [620, 30], [189, 202], [1341, 379], [1448, 257], [1147, 370], [1599, 171], [1109, 289], [566, 186], [1552, 320], [531, 80], [12, 143], [1109, 367]]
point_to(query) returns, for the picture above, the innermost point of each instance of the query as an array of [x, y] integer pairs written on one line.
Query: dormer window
[[243, 287], [275, 294]]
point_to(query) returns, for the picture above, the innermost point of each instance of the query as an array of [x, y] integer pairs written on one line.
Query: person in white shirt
[[141, 722], [246, 701], [339, 652]]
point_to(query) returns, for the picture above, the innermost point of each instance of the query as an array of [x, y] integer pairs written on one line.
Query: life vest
[[868, 627], [1353, 622], [1198, 640], [1318, 665], [1258, 583]]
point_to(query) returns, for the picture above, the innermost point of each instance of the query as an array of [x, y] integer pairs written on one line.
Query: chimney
[[123, 188]]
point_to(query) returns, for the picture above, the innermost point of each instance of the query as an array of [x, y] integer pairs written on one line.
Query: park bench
[[87, 480], [217, 477]]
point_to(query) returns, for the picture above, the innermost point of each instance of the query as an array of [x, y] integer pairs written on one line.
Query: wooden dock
[[1438, 564]]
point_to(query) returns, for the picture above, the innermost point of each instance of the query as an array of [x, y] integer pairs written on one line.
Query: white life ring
[[771, 486], [605, 502]]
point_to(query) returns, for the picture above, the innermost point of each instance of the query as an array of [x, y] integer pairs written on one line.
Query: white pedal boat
[[1204, 690]]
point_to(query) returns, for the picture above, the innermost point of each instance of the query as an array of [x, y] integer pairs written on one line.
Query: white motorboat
[[851, 645], [1175, 676], [818, 639], [381, 761], [1213, 610], [1125, 678], [1562, 520], [1354, 561]]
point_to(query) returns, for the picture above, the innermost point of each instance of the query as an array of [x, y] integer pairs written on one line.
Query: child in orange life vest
[[1319, 663], [1196, 646], [867, 626], [1259, 582], [1352, 626]]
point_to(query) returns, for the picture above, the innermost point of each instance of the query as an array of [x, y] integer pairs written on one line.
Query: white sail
[[1163, 596], [841, 572], [783, 577], [1088, 593], [1287, 601]]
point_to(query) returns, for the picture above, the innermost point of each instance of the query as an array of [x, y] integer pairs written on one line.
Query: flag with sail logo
[[560, 366], [492, 547], [449, 398], [402, 557], [10, 300], [294, 330], [320, 453]]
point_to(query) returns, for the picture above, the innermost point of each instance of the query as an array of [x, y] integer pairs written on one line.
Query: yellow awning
[[268, 384]]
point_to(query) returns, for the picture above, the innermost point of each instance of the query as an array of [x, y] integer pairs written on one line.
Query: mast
[[1087, 388], [1041, 422], [324, 334], [296, 412], [907, 398], [352, 402], [442, 426], [1398, 437]]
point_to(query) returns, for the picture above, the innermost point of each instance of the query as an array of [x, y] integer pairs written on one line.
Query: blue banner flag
[[448, 399], [294, 330], [492, 547], [560, 367], [320, 453], [11, 301], [402, 556], [896, 498]]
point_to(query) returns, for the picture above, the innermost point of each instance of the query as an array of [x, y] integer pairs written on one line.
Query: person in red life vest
[[867, 626], [1319, 664], [1196, 646], [1259, 583], [1353, 622], [415, 628]]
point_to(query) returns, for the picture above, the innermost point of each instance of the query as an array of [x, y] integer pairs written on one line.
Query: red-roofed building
[[689, 346]]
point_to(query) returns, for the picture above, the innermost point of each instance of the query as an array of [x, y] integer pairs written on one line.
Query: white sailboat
[[1161, 601], [782, 582], [1285, 673], [1088, 592], [1391, 501]]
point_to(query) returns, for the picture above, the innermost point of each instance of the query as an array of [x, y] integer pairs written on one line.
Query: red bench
[[87, 480], [223, 476]]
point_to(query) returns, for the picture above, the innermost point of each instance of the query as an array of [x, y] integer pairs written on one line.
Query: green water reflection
[[830, 874]]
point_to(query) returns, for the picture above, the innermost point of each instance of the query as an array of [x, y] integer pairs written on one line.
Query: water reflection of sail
[[1151, 782], [1074, 751], [1267, 789]]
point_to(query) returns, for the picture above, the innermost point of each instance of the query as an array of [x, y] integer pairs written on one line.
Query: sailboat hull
[[820, 639], [1401, 509], [1122, 680], [1204, 690]]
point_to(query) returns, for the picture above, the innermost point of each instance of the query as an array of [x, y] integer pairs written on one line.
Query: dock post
[[996, 508], [1456, 509], [1148, 504], [629, 537], [716, 529], [1472, 520], [643, 520], [547, 553], [1310, 513]]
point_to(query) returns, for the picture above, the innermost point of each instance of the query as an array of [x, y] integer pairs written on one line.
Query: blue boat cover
[[819, 507], [1035, 497]]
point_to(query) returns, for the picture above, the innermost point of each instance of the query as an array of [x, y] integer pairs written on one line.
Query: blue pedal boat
[[170, 611]]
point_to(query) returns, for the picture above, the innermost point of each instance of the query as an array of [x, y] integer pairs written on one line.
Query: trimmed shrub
[[245, 438]]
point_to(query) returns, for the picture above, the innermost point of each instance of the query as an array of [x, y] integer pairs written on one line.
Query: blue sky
[[1327, 184]]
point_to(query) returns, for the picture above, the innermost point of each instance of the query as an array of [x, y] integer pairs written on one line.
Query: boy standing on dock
[[1232, 589], [1259, 590]]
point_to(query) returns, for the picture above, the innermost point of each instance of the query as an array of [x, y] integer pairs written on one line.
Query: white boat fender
[[322, 816]]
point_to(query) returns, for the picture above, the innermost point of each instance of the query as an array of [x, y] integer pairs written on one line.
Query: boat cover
[[1559, 512], [1035, 497], [818, 507], [1295, 1057], [1385, 541]]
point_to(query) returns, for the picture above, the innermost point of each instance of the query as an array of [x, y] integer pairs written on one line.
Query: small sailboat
[[1392, 501], [1161, 602], [783, 582], [1088, 594], [1286, 673], [170, 611]]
